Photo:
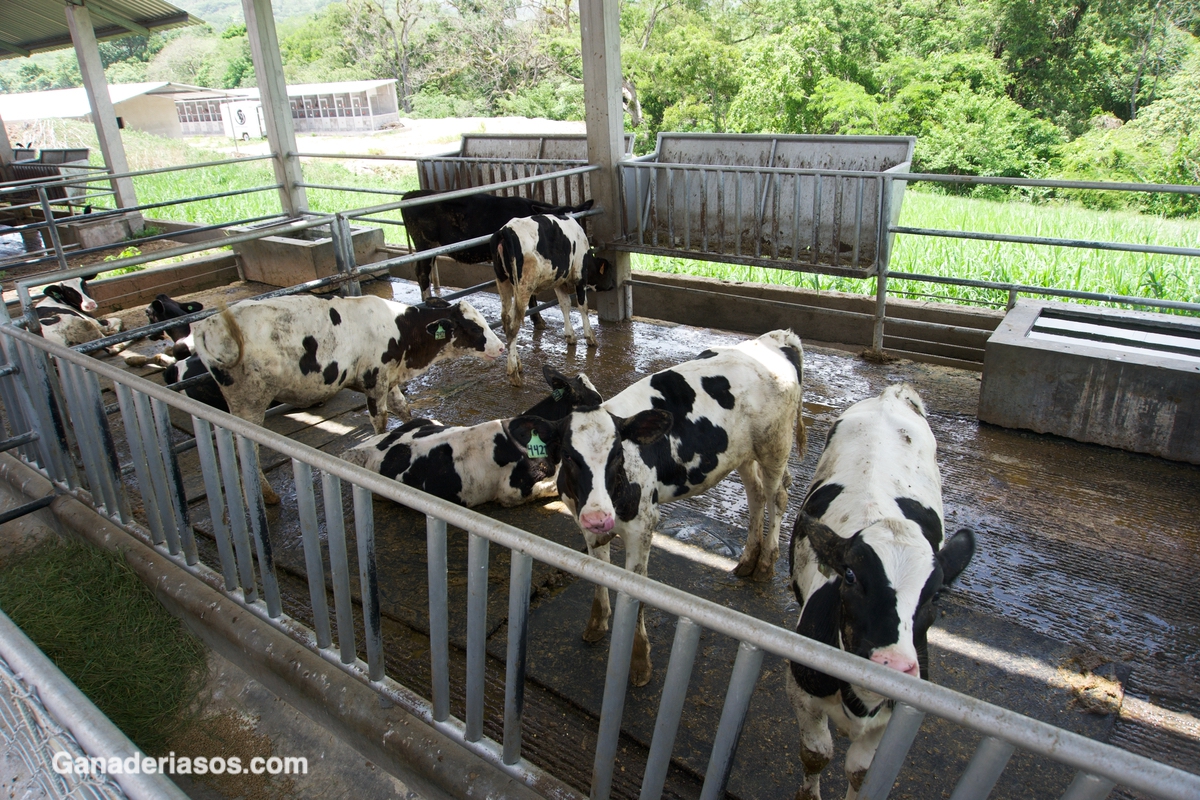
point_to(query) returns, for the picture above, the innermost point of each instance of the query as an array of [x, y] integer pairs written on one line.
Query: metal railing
[[71, 420]]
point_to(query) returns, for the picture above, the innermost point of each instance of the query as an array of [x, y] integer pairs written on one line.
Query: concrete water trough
[[1121, 378], [790, 202], [305, 256]]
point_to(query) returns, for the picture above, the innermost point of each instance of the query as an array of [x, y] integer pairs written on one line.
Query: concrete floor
[[1087, 571]]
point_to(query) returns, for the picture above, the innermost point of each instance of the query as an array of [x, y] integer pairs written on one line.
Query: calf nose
[[897, 662], [597, 522]]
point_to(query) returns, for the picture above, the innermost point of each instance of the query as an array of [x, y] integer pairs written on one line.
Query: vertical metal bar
[[343, 252], [158, 475], [989, 761], [889, 756], [339, 565], [616, 682], [520, 573], [306, 506], [670, 707], [759, 211], [737, 176], [775, 215], [108, 448], [881, 262], [1012, 300], [162, 420], [85, 433], [637, 202], [1088, 787], [51, 226], [816, 240], [721, 208], [237, 514], [439, 631], [655, 200], [799, 179], [216, 501], [733, 715], [687, 209], [42, 401], [858, 217], [140, 467], [248, 455], [477, 575], [704, 215], [670, 207], [368, 581], [837, 218]]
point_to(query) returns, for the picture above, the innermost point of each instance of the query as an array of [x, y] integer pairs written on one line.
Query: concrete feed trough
[[288, 260], [1121, 378], [789, 202]]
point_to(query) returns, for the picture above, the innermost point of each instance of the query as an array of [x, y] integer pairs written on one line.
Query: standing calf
[[674, 435], [462, 218], [531, 254], [303, 350], [867, 564]]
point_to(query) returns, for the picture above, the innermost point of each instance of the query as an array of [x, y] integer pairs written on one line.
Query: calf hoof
[[639, 674], [269, 496], [515, 378], [591, 341], [595, 632], [748, 565], [765, 571], [538, 322]]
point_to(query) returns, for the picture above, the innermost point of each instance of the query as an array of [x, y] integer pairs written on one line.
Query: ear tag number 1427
[[536, 448]]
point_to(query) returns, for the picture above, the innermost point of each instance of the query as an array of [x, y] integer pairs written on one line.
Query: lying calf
[[478, 464], [65, 316]]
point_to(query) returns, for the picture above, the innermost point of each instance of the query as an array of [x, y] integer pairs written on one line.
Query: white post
[[599, 25], [104, 118], [6, 154], [277, 113]]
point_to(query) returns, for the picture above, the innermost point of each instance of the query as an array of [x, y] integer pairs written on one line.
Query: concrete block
[[96, 233], [1126, 379], [288, 260]]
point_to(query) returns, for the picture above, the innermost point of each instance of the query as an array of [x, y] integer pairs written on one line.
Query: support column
[[104, 118], [599, 25], [32, 239], [277, 114]]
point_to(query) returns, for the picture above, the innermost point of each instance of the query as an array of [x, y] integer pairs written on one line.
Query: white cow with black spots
[[674, 435], [532, 254], [303, 350], [868, 561], [65, 316]]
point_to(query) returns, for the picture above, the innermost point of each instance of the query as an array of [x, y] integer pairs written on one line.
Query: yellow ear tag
[[536, 447], [441, 333]]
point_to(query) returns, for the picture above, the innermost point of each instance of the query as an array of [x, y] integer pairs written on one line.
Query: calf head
[[567, 395], [599, 272], [72, 292], [164, 308], [437, 329], [592, 478], [879, 605]]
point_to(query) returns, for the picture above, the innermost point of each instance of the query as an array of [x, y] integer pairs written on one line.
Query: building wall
[[152, 114]]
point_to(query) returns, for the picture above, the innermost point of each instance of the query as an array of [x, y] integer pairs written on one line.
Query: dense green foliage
[[99, 623], [1037, 88]]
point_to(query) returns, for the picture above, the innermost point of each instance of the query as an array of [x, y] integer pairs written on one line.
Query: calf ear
[[86, 278], [829, 547], [524, 429], [155, 310], [54, 292], [956, 554], [646, 427], [442, 329], [556, 380], [192, 308]]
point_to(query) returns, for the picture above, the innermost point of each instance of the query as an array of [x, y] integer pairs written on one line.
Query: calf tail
[[235, 335], [791, 348], [505, 246]]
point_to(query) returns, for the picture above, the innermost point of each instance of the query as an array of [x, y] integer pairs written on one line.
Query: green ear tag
[[441, 333], [558, 393], [536, 447]]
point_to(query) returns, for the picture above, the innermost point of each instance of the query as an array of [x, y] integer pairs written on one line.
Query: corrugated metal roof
[[73, 103], [30, 26]]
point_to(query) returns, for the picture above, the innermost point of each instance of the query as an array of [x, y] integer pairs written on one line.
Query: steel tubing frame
[[1100, 764]]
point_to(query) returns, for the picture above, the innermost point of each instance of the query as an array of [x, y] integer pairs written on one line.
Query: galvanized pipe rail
[[144, 406]]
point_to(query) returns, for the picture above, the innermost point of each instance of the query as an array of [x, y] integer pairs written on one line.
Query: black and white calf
[[205, 391], [476, 464], [867, 563], [459, 219], [164, 308], [303, 350], [674, 435], [65, 314], [531, 254]]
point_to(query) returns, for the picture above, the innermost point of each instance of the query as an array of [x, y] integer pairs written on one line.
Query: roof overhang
[[34, 26]]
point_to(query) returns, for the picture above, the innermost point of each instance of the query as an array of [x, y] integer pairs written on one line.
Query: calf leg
[[397, 402], [637, 559], [423, 268], [255, 416], [775, 482], [860, 754], [601, 610], [756, 499], [564, 303], [582, 304], [536, 316], [816, 744], [512, 307]]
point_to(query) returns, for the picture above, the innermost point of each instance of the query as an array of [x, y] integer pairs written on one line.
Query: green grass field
[[1135, 274]]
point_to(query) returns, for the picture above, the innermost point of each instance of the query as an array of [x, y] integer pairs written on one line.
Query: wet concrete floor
[[1080, 601]]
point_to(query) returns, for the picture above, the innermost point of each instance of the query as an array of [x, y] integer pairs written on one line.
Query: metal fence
[[55, 393]]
